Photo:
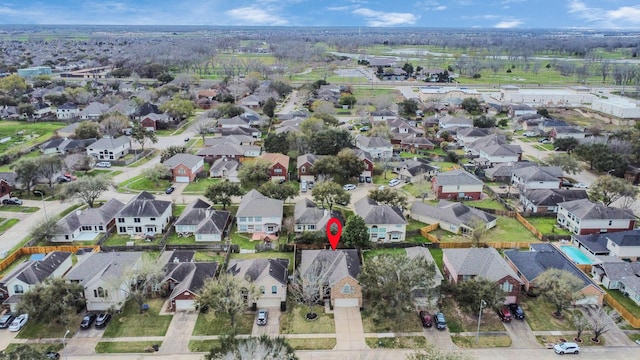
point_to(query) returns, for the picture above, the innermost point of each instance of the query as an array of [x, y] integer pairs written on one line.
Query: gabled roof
[[507, 169], [106, 143], [35, 271], [452, 213], [363, 155], [225, 149], [68, 106], [415, 167], [238, 130], [552, 197], [372, 142], [144, 205], [416, 140], [483, 262], [307, 158], [307, 212], [190, 276], [104, 265], [276, 158], [455, 120], [567, 130], [255, 204], [473, 132], [89, 217], [176, 256], [206, 219], [9, 176], [231, 139], [617, 271], [416, 251], [224, 163], [597, 243], [254, 270], [383, 112], [376, 214], [146, 109], [236, 120], [539, 173], [587, 210], [457, 177], [338, 264], [94, 108], [187, 160]]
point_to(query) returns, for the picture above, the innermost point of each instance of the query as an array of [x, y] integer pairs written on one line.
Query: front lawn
[[483, 341], [140, 183], [211, 323], [415, 225], [405, 322], [547, 226], [131, 323], [538, 315], [459, 321], [118, 347], [203, 345], [293, 321], [199, 186], [403, 342], [313, 344], [38, 330]]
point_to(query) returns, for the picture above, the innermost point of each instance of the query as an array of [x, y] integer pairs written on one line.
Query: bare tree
[[580, 322], [202, 127], [290, 225], [308, 287], [139, 282], [228, 295], [599, 323]]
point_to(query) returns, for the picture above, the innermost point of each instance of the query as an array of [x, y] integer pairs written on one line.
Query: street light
[[44, 206], [63, 344], [482, 305]]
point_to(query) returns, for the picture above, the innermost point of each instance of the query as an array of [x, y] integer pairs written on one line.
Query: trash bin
[[155, 347]]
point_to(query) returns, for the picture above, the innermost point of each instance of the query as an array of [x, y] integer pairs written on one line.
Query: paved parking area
[[273, 324]]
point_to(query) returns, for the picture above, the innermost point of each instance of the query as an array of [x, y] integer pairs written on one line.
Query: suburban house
[[251, 101], [494, 149], [503, 172], [466, 264], [41, 110], [67, 111], [226, 169], [279, 165], [415, 144], [546, 200], [377, 147], [415, 170], [469, 135], [538, 177], [542, 256], [565, 132], [449, 121], [184, 167], [550, 124], [109, 149], [144, 215], [421, 295], [385, 223], [205, 222], [153, 121], [308, 217], [240, 130], [30, 273], [183, 281], [258, 213], [402, 129], [517, 110], [340, 269], [65, 146], [583, 217], [368, 162], [234, 147], [621, 245], [382, 115], [619, 275], [87, 224], [5, 187], [457, 184], [93, 111], [269, 276], [453, 217], [305, 166], [144, 110], [99, 274]]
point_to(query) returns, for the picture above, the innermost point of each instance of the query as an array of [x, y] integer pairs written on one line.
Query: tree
[[49, 167], [331, 141], [328, 193], [347, 99], [178, 108], [471, 105], [328, 119], [228, 111], [222, 192], [277, 191], [27, 171], [156, 173], [228, 295], [543, 111], [560, 287], [165, 78], [390, 281], [113, 124], [254, 173], [590, 152], [408, 107], [470, 293], [45, 231], [37, 302], [13, 84], [80, 162], [389, 196], [484, 121], [355, 233], [141, 135], [202, 126], [263, 347], [88, 130], [311, 125], [87, 189], [308, 287], [141, 281], [323, 107], [566, 162], [599, 324], [565, 144], [269, 107], [277, 143], [608, 189], [23, 352], [580, 322], [172, 150]]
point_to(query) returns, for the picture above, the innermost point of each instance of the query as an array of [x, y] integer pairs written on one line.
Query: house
[[517, 110], [305, 166], [453, 217], [341, 268], [377, 147], [469, 135], [258, 213], [183, 282], [144, 215], [503, 172], [184, 167], [546, 200], [228, 147], [549, 124], [53, 146], [279, 165], [540, 257], [565, 132], [583, 217], [466, 264], [93, 111], [457, 184], [5, 187], [30, 273], [269, 276], [449, 121], [202, 220], [416, 170], [611, 272], [400, 129], [421, 296], [621, 245], [415, 144], [64, 146], [493, 149], [153, 121], [537, 177], [368, 164], [144, 110], [100, 274], [41, 110], [87, 224], [110, 149], [308, 217], [67, 111], [251, 101], [382, 115], [384, 222], [232, 122], [226, 169]]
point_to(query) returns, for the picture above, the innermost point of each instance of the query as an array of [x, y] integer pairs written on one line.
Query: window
[[152, 219], [249, 218], [120, 220], [258, 218], [610, 222], [86, 228], [303, 169], [262, 290], [277, 171], [274, 289], [181, 171], [242, 219], [101, 228], [100, 292], [136, 220], [507, 286], [347, 289], [244, 293], [311, 227], [242, 228], [138, 229], [298, 227], [18, 289]]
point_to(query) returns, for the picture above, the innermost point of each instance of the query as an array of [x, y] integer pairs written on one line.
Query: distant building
[[34, 71]]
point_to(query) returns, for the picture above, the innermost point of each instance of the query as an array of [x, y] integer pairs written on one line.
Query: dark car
[[504, 313], [12, 201], [52, 355], [566, 183], [441, 323], [425, 319], [102, 320], [63, 179], [516, 311], [170, 189], [87, 320], [6, 320]]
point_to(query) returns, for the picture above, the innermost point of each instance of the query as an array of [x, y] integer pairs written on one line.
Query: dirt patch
[[585, 118]]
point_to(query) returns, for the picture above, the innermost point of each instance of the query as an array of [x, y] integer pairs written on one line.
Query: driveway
[[176, 340], [83, 342], [349, 331], [521, 335], [441, 339], [273, 324]]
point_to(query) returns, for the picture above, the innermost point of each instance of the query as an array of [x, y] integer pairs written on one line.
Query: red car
[[71, 176], [504, 313], [426, 319]]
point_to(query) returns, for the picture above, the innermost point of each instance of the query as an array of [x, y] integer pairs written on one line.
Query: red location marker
[[334, 238]]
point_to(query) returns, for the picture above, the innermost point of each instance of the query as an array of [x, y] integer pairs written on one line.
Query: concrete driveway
[[273, 324], [349, 330], [441, 339], [176, 340], [522, 337]]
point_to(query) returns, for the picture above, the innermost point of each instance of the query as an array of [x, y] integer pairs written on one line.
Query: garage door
[[588, 300], [346, 303], [268, 303], [185, 305], [182, 179]]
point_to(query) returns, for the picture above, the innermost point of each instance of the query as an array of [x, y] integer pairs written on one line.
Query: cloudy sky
[[599, 14]]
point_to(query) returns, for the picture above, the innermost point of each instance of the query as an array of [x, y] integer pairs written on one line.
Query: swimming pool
[[575, 254]]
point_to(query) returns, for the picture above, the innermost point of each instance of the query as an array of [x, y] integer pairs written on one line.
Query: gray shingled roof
[[372, 142], [144, 205], [255, 204], [103, 264], [585, 209], [375, 214], [473, 132], [339, 263], [185, 159], [597, 243], [483, 262], [451, 212], [176, 256], [256, 269], [206, 219], [552, 197], [35, 271], [190, 276], [307, 212], [415, 251], [615, 271], [222, 149], [457, 177], [90, 217], [106, 143], [547, 173]]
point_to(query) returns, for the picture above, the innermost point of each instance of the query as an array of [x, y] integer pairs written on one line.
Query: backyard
[[506, 230], [547, 226]]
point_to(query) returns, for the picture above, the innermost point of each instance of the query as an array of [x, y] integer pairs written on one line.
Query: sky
[[523, 14]]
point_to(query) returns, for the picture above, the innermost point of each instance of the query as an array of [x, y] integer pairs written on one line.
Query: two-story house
[[494, 149], [583, 217], [308, 217], [384, 222], [536, 178], [184, 280], [279, 165], [377, 147], [547, 200], [258, 213], [621, 245], [109, 149], [368, 164], [67, 111], [144, 215], [341, 269], [268, 276], [305, 166], [87, 224], [184, 167], [203, 221], [93, 111], [457, 184]]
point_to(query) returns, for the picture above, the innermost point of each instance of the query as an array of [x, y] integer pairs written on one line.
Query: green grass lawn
[[145, 159], [40, 330], [625, 301], [243, 240], [204, 345], [123, 239], [547, 226], [404, 342], [415, 225], [483, 341], [118, 347], [140, 183], [40, 347], [220, 324], [293, 321], [6, 225], [313, 344], [416, 189], [444, 165], [19, 208], [437, 257], [405, 322], [538, 315], [26, 134], [199, 186], [487, 204], [506, 230], [458, 321], [131, 323]]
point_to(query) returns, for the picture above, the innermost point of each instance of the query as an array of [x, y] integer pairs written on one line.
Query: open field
[[25, 134]]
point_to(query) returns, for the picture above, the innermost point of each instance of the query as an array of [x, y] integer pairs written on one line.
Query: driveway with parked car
[[267, 322]]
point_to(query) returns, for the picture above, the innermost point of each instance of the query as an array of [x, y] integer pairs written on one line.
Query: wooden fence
[[626, 314], [529, 227], [493, 244], [6, 262]]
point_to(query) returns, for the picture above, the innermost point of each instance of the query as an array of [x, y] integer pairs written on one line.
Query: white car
[[349, 187], [19, 322], [103, 164], [394, 182], [566, 348], [580, 186]]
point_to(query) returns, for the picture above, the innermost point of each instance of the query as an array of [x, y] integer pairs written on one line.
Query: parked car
[[425, 319], [52, 355], [364, 128], [566, 183], [349, 187], [18, 323], [6, 320], [170, 189], [87, 320], [303, 186], [262, 317], [70, 176], [310, 185], [103, 164], [516, 311], [186, 139], [566, 348], [529, 134], [367, 179], [394, 182], [102, 320], [441, 322], [504, 313], [545, 141], [581, 186], [63, 179], [12, 201]]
